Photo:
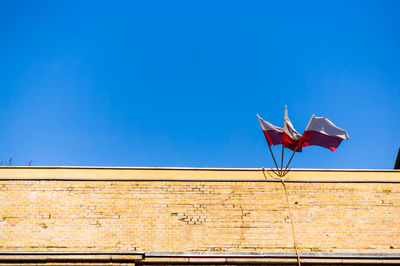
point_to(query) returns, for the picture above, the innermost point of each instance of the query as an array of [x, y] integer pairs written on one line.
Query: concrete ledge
[[275, 261], [267, 258], [272, 254], [198, 257], [194, 174], [20, 256]]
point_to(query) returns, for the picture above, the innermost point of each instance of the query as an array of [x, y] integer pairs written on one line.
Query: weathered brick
[[192, 215]]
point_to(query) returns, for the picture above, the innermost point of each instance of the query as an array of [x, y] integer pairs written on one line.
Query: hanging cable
[[281, 178], [291, 222]]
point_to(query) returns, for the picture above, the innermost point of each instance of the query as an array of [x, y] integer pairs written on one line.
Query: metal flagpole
[[300, 143], [283, 150], [273, 158], [290, 160]]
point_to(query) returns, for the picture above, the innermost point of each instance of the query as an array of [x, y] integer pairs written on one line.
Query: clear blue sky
[[179, 83]]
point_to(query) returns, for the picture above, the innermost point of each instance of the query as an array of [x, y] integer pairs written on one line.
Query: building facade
[[148, 216]]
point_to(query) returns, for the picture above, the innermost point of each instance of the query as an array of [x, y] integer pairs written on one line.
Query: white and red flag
[[273, 134], [290, 137], [322, 132]]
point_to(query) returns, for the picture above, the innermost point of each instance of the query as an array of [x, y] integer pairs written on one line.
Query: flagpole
[[273, 158], [290, 160], [283, 150]]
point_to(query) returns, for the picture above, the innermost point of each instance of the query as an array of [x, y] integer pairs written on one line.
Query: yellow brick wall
[[192, 215]]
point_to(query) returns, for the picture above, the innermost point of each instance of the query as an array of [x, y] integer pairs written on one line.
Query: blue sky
[[179, 83]]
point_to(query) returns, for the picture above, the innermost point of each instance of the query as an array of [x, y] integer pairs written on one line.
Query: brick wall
[[191, 215]]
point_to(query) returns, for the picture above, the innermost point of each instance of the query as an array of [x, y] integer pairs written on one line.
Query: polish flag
[[322, 132], [290, 136], [273, 134]]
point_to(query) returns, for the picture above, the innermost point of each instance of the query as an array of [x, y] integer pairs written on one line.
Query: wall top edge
[[193, 174], [196, 168]]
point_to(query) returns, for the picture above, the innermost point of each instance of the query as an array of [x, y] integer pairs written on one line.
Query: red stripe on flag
[[290, 143], [273, 137], [311, 137]]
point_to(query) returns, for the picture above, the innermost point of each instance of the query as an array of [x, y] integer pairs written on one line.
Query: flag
[[290, 136], [273, 134], [322, 132]]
